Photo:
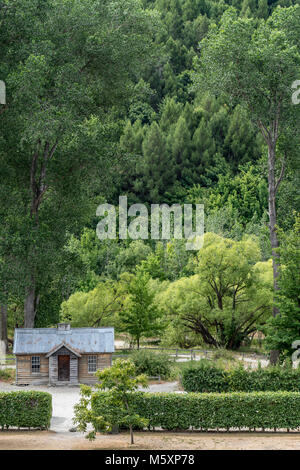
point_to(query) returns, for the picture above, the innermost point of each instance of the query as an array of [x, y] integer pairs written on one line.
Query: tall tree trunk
[[3, 328], [31, 304], [272, 186], [38, 187]]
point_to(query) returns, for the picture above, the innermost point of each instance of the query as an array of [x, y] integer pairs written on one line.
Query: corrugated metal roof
[[42, 340]]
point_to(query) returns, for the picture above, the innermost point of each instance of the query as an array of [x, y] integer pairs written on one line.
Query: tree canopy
[[162, 101]]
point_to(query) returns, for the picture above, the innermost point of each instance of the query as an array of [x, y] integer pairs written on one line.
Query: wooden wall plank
[[78, 369]]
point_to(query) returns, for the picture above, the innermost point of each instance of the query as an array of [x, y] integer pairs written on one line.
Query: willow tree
[[67, 65], [254, 63], [227, 299]]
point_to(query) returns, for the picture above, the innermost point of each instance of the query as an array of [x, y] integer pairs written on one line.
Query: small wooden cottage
[[62, 355]]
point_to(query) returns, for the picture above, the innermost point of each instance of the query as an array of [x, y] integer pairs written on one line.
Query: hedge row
[[209, 378], [25, 409], [212, 411]]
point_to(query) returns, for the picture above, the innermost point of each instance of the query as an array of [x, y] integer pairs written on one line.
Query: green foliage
[[140, 315], [152, 363], [141, 130], [122, 382], [176, 334], [169, 261], [246, 195], [228, 297], [25, 409], [106, 258], [188, 145], [60, 125], [254, 72], [158, 175], [212, 411], [283, 330], [207, 377], [253, 64], [128, 257], [95, 308]]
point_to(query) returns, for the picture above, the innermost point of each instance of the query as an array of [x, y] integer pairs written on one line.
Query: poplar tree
[[255, 66], [66, 65]]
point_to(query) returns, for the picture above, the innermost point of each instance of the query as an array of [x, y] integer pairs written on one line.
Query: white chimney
[[63, 326]]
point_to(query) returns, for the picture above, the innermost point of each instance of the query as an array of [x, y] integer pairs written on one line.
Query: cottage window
[[35, 364], [92, 363]]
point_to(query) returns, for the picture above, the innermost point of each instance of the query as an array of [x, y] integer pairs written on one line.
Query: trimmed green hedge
[[210, 411], [209, 378], [25, 409]]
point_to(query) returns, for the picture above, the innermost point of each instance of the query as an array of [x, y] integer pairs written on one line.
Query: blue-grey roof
[[42, 340]]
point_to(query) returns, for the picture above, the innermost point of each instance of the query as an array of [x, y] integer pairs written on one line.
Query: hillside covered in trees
[[164, 101]]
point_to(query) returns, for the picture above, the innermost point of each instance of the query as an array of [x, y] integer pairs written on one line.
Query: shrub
[[204, 377], [25, 409], [209, 378], [151, 363], [173, 411]]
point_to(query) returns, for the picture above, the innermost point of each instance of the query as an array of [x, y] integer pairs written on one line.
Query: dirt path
[[31, 440]]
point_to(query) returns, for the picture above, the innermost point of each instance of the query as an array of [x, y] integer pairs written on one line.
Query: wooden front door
[[64, 368]]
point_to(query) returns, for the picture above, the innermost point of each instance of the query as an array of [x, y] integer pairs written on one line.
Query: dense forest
[[163, 101]]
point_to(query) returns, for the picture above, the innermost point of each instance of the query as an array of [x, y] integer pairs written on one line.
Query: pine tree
[[140, 316], [180, 146], [263, 9], [204, 148], [170, 113], [242, 143], [157, 168]]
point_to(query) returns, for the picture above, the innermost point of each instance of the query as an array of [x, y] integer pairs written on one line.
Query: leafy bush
[[173, 411], [25, 409], [151, 363], [206, 377]]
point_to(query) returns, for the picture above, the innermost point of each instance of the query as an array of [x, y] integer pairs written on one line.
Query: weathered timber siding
[[53, 366], [24, 374], [49, 368], [86, 377], [73, 370], [53, 369]]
